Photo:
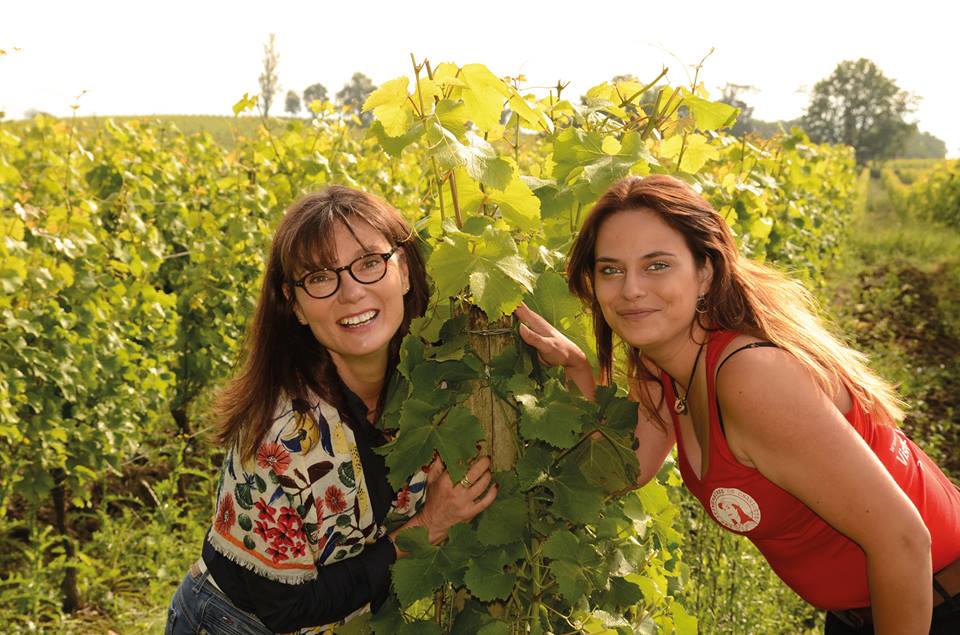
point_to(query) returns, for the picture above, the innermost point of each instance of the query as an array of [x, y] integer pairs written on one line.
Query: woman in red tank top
[[794, 444]]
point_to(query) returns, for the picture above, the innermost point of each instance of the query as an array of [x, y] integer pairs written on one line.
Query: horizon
[[147, 64]]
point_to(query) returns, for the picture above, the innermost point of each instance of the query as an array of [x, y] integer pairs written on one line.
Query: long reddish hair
[[744, 296], [281, 357]]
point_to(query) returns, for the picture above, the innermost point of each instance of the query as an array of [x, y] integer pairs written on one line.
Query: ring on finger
[[465, 482]]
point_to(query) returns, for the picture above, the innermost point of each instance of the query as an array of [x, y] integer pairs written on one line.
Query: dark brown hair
[[281, 357], [744, 296]]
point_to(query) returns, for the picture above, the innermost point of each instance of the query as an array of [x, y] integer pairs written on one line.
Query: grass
[[896, 294]]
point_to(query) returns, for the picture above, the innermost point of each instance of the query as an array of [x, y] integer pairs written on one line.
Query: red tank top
[[823, 566]]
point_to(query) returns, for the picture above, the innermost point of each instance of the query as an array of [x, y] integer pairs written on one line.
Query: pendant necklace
[[680, 403]]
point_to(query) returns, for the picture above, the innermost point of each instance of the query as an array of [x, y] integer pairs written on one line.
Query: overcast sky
[[198, 57]]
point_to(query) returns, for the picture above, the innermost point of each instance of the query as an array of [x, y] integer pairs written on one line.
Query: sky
[[199, 57]]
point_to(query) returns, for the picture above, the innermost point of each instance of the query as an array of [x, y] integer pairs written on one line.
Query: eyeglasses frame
[[347, 267]]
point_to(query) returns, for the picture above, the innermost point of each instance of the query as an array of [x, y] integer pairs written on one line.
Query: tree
[[858, 105], [731, 96], [269, 82], [313, 92], [923, 145], [292, 104], [354, 93]]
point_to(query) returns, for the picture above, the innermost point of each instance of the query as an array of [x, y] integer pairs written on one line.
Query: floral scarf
[[303, 502]]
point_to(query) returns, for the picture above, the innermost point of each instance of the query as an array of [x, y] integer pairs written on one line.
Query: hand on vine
[[555, 349], [448, 503]]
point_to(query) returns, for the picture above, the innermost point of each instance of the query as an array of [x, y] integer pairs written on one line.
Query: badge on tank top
[[734, 509]]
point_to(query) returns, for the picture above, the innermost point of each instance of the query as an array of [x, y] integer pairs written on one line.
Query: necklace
[[680, 403]]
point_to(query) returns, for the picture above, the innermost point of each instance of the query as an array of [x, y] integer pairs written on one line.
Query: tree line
[[351, 96]]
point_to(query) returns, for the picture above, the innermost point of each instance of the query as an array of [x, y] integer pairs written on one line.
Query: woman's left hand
[[448, 503], [556, 349], [553, 347]]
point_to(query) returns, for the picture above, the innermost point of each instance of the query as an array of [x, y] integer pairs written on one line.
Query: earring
[[701, 306]]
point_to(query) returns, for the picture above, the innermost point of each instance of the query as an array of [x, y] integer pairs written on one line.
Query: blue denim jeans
[[198, 608]]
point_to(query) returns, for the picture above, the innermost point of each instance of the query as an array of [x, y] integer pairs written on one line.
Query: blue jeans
[[198, 608]]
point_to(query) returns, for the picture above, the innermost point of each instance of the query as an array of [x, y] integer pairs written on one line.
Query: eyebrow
[[652, 254], [359, 252]]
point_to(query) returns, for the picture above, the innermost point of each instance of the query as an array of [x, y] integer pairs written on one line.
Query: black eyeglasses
[[366, 269]]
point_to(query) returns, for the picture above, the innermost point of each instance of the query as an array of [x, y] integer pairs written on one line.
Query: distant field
[[224, 129]]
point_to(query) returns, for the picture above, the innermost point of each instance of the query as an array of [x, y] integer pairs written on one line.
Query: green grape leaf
[[552, 300], [711, 115], [561, 545], [472, 619], [494, 293], [517, 203], [394, 146], [573, 498], [683, 622], [483, 96], [533, 466], [411, 354], [391, 106], [481, 162], [532, 116], [761, 228], [603, 464], [460, 547], [503, 521], [602, 171], [575, 148], [477, 157], [417, 575], [498, 276], [486, 578], [388, 620], [457, 439], [698, 152], [420, 627], [454, 435], [571, 581], [618, 413], [414, 412], [558, 424], [623, 594], [448, 263], [432, 375], [452, 116], [495, 627]]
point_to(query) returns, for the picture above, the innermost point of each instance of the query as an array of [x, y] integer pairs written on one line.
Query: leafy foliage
[[130, 263]]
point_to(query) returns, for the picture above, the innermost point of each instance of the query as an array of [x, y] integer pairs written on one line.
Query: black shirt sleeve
[[339, 589]]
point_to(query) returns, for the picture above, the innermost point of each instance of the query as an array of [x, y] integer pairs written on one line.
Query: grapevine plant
[[568, 545], [129, 263]]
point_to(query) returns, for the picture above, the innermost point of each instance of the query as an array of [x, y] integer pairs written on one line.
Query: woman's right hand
[[555, 349], [448, 503]]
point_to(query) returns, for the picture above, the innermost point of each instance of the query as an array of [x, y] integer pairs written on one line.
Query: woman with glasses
[[782, 432], [299, 538]]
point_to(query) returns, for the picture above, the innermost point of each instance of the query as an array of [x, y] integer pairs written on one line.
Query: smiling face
[[356, 323], [646, 280]]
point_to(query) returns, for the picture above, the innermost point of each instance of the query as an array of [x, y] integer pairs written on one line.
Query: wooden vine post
[[499, 421]]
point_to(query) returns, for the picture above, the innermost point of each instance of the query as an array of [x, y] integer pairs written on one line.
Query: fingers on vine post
[[436, 469], [536, 341]]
